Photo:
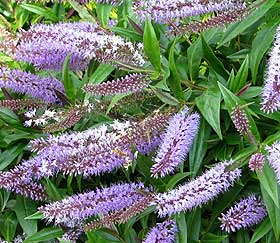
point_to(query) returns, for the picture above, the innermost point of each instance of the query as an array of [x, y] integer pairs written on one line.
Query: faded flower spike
[[177, 142], [240, 120], [27, 83], [274, 158], [198, 191], [73, 210], [129, 84], [47, 46], [244, 214], [256, 161], [271, 90], [164, 232]]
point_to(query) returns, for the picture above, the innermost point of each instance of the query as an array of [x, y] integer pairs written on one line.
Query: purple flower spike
[[244, 214], [197, 192], [177, 142], [164, 232], [28, 83], [73, 210], [130, 83], [173, 10], [271, 90], [274, 158]]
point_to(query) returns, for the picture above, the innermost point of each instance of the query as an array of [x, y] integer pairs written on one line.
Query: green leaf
[[241, 77], [260, 47], [53, 191], [209, 105], [176, 178], [8, 222], [44, 235], [261, 230], [212, 60], [103, 12], [127, 33], [199, 148], [114, 101], [37, 215], [194, 224], [237, 28], [212, 238], [103, 236], [44, 12], [165, 97], [268, 181], [23, 208], [195, 53], [273, 211], [10, 154], [83, 13], [182, 228], [175, 81], [67, 81], [231, 100], [151, 45]]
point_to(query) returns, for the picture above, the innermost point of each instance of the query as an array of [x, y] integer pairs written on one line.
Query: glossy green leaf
[[10, 154], [44, 235], [23, 208], [165, 97], [182, 228], [237, 28], [44, 12], [8, 223], [176, 178], [151, 45], [260, 47], [67, 80], [37, 215], [82, 11], [174, 82], [273, 211], [212, 60], [268, 181], [199, 148], [212, 238], [209, 105], [103, 12], [241, 77], [262, 229]]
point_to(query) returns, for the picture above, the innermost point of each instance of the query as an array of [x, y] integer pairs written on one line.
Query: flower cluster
[[46, 46], [19, 104], [240, 120], [121, 216], [273, 157], [256, 161], [27, 83], [271, 90], [198, 191], [127, 84], [164, 232], [87, 153], [163, 11], [177, 142], [246, 213], [73, 210]]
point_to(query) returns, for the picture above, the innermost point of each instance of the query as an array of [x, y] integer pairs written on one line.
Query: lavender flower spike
[[177, 142], [75, 209], [164, 232], [197, 192], [244, 214], [271, 90], [28, 83], [274, 158], [129, 83]]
